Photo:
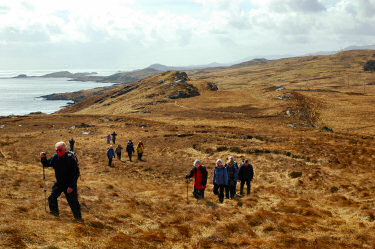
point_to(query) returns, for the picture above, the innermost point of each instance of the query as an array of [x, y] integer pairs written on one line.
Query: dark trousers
[[140, 156], [198, 193], [109, 161], [72, 199], [219, 190], [230, 189], [71, 147], [248, 185], [114, 140], [130, 155], [119, 156]]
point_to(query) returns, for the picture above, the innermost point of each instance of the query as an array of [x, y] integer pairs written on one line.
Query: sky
[[130, 34]]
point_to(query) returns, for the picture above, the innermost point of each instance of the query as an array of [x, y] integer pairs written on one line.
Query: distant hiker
[[246, 175], [130, 149], [110, 155], [65, 164], [114, 137], [232, 173], [199, 172], [220, 179], [118, 151], [71, 144], [108, 139], [140, 149], [231, 159]]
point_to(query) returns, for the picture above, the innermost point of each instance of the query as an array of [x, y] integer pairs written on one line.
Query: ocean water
[[20, 96]]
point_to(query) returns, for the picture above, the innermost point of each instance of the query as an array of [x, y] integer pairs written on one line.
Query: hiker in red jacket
[[199, 172]]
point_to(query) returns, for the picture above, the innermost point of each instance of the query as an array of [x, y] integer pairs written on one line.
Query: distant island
[[60, 74], [66, 74]]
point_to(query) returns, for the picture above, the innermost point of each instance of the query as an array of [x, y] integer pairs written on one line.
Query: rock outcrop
[[369, 66]]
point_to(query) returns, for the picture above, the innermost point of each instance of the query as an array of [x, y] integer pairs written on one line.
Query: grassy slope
[[143, 204]]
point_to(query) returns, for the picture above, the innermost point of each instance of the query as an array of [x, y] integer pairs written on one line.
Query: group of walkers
[[112, 153], [65, 164], [224, 179]]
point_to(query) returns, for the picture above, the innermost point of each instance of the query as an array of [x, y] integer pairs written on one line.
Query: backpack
[[73, 155], [204, 175]]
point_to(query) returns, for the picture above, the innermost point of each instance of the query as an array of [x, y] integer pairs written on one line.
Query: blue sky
[[128, 34]]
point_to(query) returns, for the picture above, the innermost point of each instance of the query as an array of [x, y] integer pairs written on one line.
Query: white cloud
[[208, 30]]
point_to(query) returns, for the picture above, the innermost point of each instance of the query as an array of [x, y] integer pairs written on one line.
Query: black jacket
[[66, 168], [130, 147], [246, 173]]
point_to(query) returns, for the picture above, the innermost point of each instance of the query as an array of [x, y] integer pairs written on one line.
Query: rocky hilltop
[[144, 95]]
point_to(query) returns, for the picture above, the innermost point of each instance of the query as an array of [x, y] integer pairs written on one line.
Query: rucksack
[[204, 175], [73, 155]]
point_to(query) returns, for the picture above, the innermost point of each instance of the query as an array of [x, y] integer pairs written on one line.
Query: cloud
[[4, 10], [208, 30], [303, 6]]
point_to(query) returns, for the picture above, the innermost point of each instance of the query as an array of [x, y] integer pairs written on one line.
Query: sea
[[21, 96]]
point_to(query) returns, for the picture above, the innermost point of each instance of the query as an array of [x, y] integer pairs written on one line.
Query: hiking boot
[[54, 213], [79, 220]]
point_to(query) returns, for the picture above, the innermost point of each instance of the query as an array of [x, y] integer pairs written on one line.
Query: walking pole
[[45, 190], [187, 190]]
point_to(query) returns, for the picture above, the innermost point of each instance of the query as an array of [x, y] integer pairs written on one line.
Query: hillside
[[306, 124], [123, 77], [143, 96]]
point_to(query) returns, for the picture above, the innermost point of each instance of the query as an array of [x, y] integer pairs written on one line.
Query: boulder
[[369, 66], [295, 174]]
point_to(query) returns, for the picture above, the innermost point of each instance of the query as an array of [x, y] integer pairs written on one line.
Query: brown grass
[[328, 204]]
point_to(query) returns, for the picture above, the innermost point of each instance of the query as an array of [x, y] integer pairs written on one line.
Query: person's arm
[[235, 174], [74, 174], [213, 178], [240, 173], [191, 173], [225, 177], [251, 172], [46, 162]]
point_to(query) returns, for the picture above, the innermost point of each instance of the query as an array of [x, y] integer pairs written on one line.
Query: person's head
[[60, 148], [111, 146], [196, 163], [231, 158], [230, 164], [219, 162], [246, 162]]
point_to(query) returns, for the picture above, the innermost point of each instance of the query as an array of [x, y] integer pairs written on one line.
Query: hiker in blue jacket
[[110, 155], [220, 179]]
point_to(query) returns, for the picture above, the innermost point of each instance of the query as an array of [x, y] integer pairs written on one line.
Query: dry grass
[[327, 203]]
